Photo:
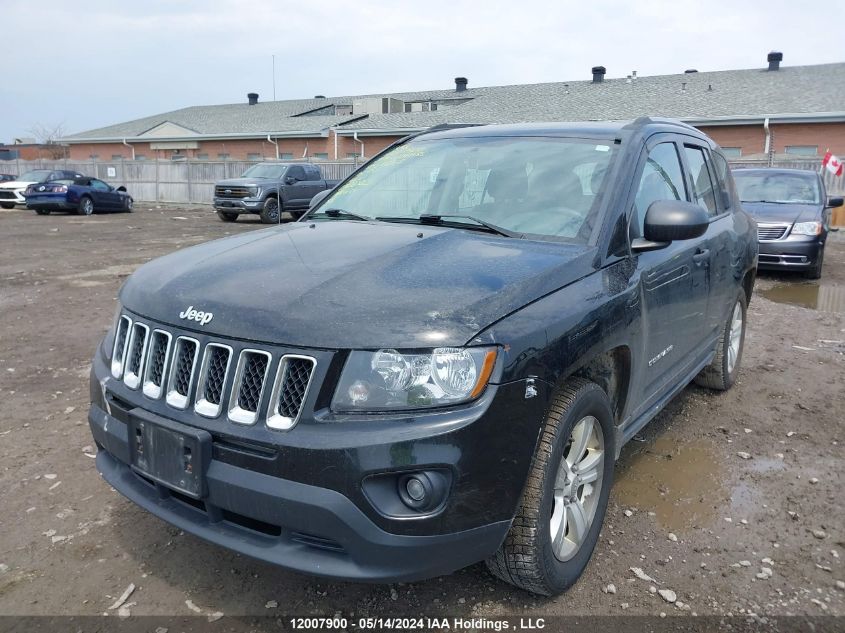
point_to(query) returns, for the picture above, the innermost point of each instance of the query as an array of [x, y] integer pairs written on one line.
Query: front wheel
[[128, 205], [555, 530], [7, 205], [722, 372], [86, 206], [271, 212], [43, 211]]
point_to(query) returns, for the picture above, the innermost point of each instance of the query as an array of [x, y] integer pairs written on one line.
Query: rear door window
[[296, 172], [704, 193]]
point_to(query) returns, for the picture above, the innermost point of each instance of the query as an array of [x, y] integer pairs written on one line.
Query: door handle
[[702, 256]]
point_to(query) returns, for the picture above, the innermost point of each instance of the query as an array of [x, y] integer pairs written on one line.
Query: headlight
[[807, 228], [389, 380]]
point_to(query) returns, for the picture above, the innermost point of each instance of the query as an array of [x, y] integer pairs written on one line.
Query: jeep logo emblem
[[196, 315]]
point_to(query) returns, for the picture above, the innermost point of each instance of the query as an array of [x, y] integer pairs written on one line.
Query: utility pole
[[274, 77]]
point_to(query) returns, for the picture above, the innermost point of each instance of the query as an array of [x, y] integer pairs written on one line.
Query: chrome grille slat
[[248, 386], [158, 355], [771, 232], [182, 369], [212, 378], [118, 356], [293, 380], [135, 355]]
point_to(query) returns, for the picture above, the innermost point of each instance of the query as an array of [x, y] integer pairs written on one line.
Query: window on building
[[223, 156], [93, 156], [732, 152], [140, 157], [320, 156], [353, 154], [803, 150], [286, 156], [117, 156], [662, 179], [202, 156], [254, 156]]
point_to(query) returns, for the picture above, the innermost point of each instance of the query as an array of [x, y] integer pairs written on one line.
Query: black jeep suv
[[444, 361]]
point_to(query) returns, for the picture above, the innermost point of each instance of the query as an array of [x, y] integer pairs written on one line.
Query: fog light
[[415, 489]]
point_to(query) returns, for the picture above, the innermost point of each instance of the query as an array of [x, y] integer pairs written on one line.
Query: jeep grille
[[213, 376]]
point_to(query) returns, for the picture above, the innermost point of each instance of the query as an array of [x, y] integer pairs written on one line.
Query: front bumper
[[796, 252], [238, 205], [12, 196], [301, 504]]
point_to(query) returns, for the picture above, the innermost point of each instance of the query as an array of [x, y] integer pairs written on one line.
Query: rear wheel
[[43, 211], [722, 372], [227, 216], [86, 206], [271, 211], [7, 205], [816, 271], [557, 526]]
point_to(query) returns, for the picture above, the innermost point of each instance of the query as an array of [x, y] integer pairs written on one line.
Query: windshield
[[36, 175], [265, 171], [526, 185], [778, 187]]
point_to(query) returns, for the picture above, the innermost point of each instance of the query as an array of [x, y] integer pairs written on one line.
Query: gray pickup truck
[[269, 189]]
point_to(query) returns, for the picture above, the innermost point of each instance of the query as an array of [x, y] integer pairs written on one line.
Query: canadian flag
[[832, 164]]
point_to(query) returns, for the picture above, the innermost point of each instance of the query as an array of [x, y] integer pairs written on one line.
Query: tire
[[227, 216], [271, 213], [43, 211], [129, 205], [722, 372], [7, 205], [528, 558], [86, 206], [816, 271]]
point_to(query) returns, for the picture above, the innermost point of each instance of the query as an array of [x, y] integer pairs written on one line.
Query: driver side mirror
[[319, 198], [834, 202], [291, 180], [670, 220]]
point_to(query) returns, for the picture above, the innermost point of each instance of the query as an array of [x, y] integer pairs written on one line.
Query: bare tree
[[49, 135]]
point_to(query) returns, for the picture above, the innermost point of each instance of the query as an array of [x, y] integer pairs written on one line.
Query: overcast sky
[[88, 64]]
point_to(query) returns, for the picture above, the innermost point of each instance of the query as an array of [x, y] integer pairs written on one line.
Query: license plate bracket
[[172, 454]]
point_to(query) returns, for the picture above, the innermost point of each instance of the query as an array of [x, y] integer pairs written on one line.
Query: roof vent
[[319, 96], [461, 84], [774, 58], [252, 97], [690, 71], [598, 74]]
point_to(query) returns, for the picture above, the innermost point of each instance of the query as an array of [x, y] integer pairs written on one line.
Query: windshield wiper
[[482, 225], [346, 215]]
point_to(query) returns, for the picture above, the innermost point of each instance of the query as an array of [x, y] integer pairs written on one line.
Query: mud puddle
[[683, 484], [825, 298]]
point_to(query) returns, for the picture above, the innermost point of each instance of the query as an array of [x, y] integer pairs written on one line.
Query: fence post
[[156, 176], [188, 165]]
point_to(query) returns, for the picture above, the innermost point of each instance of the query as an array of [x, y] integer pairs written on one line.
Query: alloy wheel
[[577, 488], [735, 337]]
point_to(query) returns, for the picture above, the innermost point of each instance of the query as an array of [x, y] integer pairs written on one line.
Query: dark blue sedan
[[82, 195]]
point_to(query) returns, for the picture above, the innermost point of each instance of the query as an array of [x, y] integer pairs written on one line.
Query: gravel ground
[[731, 501]]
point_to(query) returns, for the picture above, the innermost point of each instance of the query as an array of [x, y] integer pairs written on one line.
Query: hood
[[243, 182], [784, 213], [345, 284], [17, 184]]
